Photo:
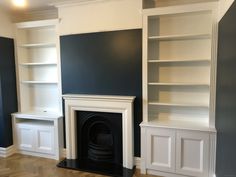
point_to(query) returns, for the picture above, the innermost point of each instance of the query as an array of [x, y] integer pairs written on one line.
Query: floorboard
[[27, 166]]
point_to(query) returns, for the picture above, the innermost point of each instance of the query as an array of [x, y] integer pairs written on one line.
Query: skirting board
[[6, 152], [159, 173], [136, 159]]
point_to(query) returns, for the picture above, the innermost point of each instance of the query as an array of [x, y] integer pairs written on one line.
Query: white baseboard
[[6, 152], [64, 153], [37, 154], [137, 160]]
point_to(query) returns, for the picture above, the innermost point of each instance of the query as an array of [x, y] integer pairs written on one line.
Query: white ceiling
[[31, 5], [36, 9]]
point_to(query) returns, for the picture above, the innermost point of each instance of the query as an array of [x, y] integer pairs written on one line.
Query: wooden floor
[[27, 166]]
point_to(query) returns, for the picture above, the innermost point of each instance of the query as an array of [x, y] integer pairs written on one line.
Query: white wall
[[6, 29], [109, 15], [224, 5]]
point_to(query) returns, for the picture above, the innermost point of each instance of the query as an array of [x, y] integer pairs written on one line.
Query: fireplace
[[99, 137], [99, 134]]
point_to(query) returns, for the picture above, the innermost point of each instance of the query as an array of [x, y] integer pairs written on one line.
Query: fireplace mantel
[[100, 103]]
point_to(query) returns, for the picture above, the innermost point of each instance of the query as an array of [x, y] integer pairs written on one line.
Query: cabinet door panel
[[25, 138], [161, 149], [192, 153], [45, 140]]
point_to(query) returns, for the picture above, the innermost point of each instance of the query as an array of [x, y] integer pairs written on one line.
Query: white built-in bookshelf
[[37, 45], [177, 56], [38, 125], [178, 135]]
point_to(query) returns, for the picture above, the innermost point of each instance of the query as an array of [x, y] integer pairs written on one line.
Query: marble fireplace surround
[[100, 103]]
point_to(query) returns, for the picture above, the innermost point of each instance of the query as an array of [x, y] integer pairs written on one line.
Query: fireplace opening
[[99, 137], [100, 145]]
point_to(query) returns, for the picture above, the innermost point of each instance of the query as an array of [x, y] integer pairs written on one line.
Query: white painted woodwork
[[143, 135], [35, 137], [25, 137], [100, 103], [179, 124], [45, 139], [38, 66], [161, 149], [192, 153], [212, 154], [177, 152], [224, 6], [179, 61], [37, 24], [179, 37], [164, 3], [8, 151], [38, 134]]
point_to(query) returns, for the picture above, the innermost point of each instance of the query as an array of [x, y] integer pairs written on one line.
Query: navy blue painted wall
[[226, 96], [105, 63], [8, 97]]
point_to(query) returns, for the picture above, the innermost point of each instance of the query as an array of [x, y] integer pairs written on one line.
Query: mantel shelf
[[38, 64], [32, 45], [179, 61], [180, 37], [178, 84], [39, 82], [179, 105]]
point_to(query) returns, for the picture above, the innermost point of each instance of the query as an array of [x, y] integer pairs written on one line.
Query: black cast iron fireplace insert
[[99, 142]]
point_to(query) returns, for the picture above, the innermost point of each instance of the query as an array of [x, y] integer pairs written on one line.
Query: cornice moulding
[[75, 3]]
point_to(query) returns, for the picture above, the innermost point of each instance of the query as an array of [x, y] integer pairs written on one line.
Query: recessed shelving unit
[[37, 127], [177, 60], [38, 124], [38, 61], [178, 135]]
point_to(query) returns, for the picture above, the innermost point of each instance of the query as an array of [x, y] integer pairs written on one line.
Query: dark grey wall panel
[[105, 63], [226, 96], [8, 97]]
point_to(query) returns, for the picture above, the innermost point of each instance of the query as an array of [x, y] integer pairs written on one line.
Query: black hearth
[[99, 143]]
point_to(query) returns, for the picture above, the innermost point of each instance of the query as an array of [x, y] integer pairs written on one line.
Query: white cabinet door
[[161, 149], [25, 137], [192, 153], [45, 140]]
